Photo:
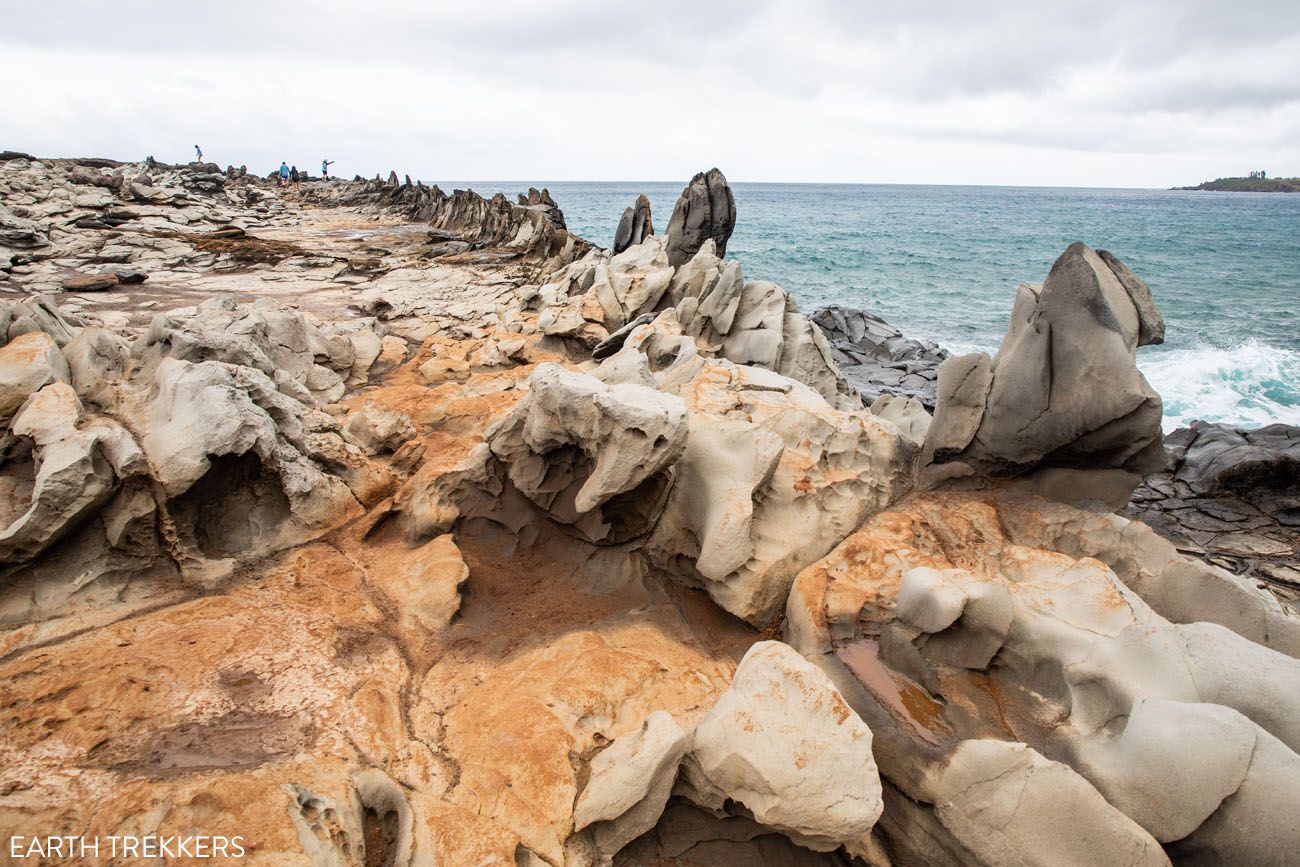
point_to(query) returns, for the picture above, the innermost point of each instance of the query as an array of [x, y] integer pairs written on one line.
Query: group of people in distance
[[290, 174]]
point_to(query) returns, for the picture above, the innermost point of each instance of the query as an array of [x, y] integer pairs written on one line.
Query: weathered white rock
[[772, 477], [630, 782], [782, 742], [378, 430], [632, 282], [28, 363], [73, 475], [575, 443], [1008, 804]]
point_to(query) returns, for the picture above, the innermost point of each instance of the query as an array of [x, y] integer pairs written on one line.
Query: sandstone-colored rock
[[940, 623], [28, 363], [782, 742]]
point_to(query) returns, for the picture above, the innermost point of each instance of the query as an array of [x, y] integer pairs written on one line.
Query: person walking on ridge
[[284, 173], [198, 154], [294, 177], [325, 169]]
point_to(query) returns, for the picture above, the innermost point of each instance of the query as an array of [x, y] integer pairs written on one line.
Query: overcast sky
[[1146, 93]]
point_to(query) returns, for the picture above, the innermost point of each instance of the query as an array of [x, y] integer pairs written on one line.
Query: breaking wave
[[1250, 385]]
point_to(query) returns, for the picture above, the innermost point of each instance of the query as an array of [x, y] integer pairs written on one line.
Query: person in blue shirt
[[284, 173], [325, 168], [198, 154]]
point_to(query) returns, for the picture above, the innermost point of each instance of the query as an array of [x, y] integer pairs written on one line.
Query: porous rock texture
[[384, 527]]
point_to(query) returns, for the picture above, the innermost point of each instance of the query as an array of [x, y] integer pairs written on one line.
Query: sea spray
[[1250, 384]]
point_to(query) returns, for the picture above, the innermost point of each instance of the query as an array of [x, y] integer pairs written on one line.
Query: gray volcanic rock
[[1064, 391], [706, 210], [1217, 459], [465, 222], [1231, 496], [542, 202], [877, 359], [634, 226]]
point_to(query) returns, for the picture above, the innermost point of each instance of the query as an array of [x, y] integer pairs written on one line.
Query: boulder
[[634, 226], [1064, 390], [74, 475], [28, 363], [378, 430], [782, 742], [90, 282], [706, 210], [629, 786], [590, 454]]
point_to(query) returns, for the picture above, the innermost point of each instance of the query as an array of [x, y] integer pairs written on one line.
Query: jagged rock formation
[[705, 211], [465, 222], [726, 477], [543, 202], [634, 226], [1064, 392], [463, 565], [877, 359], [753, 323]]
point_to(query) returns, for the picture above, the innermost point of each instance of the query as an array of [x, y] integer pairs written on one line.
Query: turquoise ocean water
[[943, 263]]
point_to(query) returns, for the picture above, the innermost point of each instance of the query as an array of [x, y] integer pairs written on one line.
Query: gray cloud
[[1103, 92]]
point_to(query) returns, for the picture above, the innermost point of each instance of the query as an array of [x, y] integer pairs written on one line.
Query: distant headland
[[1255, 182]]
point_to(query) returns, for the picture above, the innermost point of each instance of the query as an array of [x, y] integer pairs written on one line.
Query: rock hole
[[380, 833], [236, 507]]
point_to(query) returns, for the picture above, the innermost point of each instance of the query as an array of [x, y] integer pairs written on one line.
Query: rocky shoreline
[[380, 525]]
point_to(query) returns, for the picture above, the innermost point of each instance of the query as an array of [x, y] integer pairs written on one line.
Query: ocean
[[943, 262]]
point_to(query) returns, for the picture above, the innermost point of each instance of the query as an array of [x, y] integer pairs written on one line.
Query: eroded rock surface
[[391, 542]]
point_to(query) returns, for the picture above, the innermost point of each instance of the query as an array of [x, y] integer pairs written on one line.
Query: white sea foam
[[1251, 384]]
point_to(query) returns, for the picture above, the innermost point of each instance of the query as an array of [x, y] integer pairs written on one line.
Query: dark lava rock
[[634, 226], [130, 276], [706, 209], [876, 358], [1216, 459], [1232, 497]]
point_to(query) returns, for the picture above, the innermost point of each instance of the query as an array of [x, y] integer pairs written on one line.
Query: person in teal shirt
[[284, 173]]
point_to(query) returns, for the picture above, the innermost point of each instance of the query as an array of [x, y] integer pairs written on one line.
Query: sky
[[1153, 93]]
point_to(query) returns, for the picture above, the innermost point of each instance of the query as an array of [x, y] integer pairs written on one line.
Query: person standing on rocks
[[198, 154], [294, 177], [284, 173], [325, 169]]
